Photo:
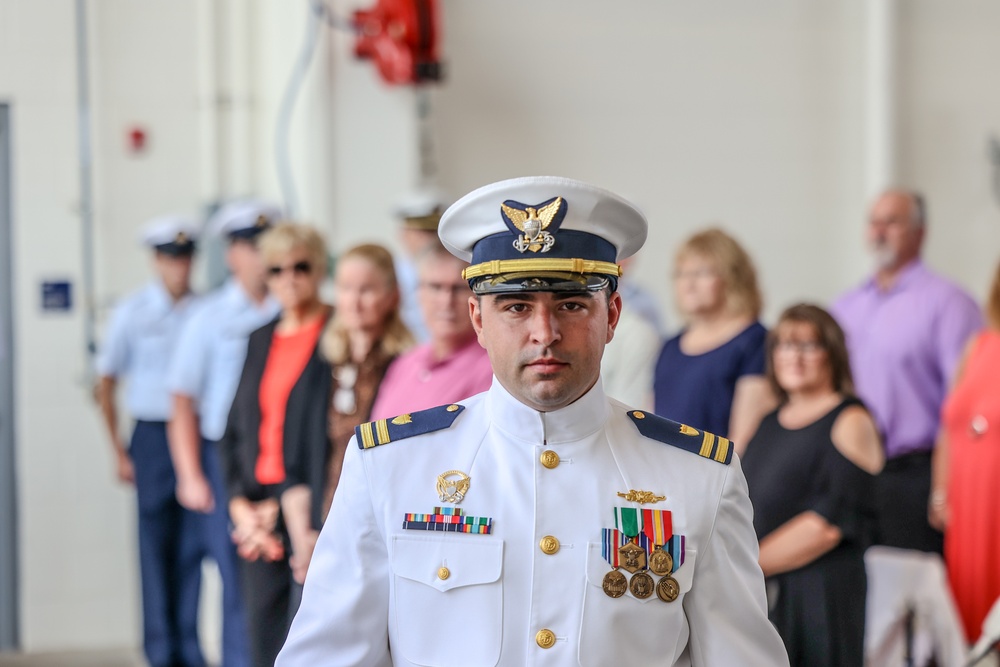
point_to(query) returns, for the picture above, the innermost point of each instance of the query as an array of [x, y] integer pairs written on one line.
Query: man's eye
[[572, 305], [517, 307]]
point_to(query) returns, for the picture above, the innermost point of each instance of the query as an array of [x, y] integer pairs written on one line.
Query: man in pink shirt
[[450, 367]]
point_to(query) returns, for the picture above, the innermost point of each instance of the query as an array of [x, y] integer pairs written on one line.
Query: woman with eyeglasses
[[365, 334], [278, 417], [810, 470], [711, 374]]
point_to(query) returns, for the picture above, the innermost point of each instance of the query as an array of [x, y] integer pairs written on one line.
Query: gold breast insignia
[[452, 486], [641, 497]]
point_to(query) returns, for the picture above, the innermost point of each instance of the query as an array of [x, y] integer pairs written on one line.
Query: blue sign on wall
[[57, 295]]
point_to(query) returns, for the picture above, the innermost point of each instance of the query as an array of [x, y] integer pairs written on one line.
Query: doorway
[[8, 508]]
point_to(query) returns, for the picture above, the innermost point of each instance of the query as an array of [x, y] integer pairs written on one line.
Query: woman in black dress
[[810, 469]]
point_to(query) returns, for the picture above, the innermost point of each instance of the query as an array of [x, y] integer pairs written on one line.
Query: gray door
[[8, 510]]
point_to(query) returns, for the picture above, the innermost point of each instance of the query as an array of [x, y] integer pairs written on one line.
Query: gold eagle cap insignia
[[533, 222], [641, 497]]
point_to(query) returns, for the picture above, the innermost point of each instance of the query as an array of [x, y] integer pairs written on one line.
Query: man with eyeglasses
[[540, 522], [452, 365], [204, 373]]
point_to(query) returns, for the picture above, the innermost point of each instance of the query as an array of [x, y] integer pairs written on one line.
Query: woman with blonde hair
[[278, 413], [365, 334], [711, 374], [964, 500]]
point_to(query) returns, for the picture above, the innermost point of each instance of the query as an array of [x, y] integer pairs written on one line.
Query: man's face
[[246, 263], [893, 234], [545, 348], [174, 271], [443, 295]]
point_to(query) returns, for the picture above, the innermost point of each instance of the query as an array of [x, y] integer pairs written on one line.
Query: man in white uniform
[[539, 522]]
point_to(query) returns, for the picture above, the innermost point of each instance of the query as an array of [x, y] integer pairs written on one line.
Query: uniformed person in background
[[203, 376], [138, 345], [419, 213], [539, 522]]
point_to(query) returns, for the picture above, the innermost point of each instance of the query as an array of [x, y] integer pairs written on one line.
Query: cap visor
[[506, 283]]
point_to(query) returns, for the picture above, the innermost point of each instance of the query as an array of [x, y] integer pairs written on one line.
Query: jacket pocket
[[447, 608], [625, 630]]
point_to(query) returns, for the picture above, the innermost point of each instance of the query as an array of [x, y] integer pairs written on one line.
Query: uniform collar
[[238, 296], [161, 298], [574, 422]]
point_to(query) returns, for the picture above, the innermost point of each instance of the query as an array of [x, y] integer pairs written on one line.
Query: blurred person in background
[[719, 353], [630, 358], [279, 415], [964, 500], [452, 365], [906, 328], [362, 338], [419, 213], [138, 345], [810, 471], [204, 373]]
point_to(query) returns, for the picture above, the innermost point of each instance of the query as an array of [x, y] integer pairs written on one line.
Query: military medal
[[660, 562], [615, 584], [632, 557], [657, 527], [641, 585], [667, 589]]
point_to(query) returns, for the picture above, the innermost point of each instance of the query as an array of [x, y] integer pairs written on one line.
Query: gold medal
[[660, 562], [633, 557], [615, 584], [641, 585], [667, 589]]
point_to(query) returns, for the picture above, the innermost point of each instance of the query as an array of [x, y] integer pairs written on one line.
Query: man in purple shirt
[[450, 367], [906, 327]]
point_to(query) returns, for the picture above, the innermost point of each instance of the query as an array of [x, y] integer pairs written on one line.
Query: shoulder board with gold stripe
[[702, 443], [384, 431]]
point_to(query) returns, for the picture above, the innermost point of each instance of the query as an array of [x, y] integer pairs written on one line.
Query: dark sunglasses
[[300, 268]]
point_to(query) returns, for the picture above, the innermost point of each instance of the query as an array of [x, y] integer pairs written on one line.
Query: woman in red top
[[965, 496], [279, 411]]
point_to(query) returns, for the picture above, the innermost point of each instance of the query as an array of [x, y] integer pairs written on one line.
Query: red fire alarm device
[[401, 36]]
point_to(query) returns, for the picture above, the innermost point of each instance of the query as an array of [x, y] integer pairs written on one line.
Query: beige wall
[[714, 112]]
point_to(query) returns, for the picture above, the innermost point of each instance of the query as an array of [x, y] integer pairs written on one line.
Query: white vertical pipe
[[881, 116]]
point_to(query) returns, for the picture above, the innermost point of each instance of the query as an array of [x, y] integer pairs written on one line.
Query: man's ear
[[614, 314], [476, 315]]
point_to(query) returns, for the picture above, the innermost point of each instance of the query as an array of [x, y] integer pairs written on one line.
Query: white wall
[[714, 112], [77, 587]]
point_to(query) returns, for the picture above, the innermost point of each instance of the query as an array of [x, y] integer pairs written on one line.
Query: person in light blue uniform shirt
[[139, 342], [203, 376]]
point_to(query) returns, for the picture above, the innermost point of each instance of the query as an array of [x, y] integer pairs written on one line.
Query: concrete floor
[[119, 658]]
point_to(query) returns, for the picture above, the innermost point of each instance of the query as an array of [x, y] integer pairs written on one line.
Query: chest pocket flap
[[447, 563]]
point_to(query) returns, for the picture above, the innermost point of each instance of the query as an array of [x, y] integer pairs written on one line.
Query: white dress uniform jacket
[[376, 594]]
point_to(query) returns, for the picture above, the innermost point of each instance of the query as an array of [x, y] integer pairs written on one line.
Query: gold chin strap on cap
[[547, 264]]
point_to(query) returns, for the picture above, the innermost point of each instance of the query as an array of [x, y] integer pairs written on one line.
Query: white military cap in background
[[422, 208], [244, 219], [542, 233], [170, 234]]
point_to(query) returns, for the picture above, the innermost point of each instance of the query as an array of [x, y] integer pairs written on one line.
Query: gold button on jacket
[[549, 545], [545, 638]]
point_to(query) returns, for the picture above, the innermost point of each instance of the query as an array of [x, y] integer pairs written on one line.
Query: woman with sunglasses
[[810, 470], [365, 334], [278, 416]]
